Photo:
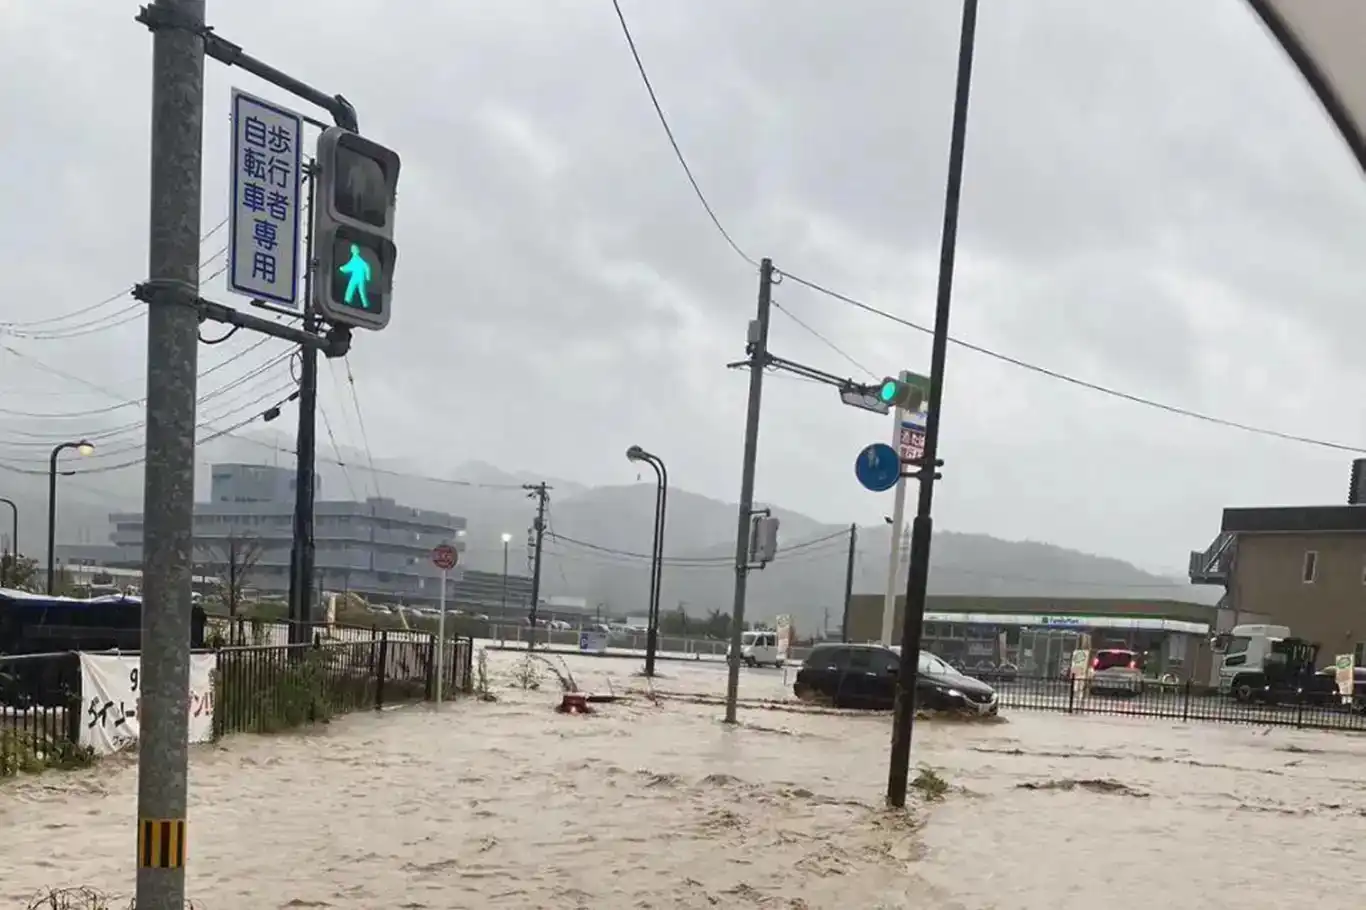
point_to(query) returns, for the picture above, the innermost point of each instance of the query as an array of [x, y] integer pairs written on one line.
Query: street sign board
[[910, 441], [445, 556], [267, 170], [877, 467]]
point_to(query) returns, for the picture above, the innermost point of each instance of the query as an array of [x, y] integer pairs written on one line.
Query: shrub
[[23, 751]]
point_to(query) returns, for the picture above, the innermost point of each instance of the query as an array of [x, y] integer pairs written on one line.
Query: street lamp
[[14, 542], [507, 538], [85, 448], [636, 453]]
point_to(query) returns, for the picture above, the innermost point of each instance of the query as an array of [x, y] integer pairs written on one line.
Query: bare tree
[[232, 561]]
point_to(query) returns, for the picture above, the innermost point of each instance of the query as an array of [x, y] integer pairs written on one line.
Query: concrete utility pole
[[758, 360], [541, 493], [301, 554], [168, 503]]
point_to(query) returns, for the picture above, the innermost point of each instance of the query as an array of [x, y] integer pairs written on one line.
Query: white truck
[[1261, 662]]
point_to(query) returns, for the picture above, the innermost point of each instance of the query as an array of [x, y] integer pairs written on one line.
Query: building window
[[1311, 566]]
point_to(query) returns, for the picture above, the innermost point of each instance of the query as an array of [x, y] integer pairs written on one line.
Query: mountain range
[[599, 538]]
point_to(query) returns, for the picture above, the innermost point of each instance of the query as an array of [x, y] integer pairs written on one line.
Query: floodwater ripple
[[652, 803]]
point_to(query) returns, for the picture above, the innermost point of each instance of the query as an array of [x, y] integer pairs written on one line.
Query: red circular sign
[[445, 556]]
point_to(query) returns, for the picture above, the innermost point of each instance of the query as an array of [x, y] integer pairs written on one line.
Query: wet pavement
[[653, 803]]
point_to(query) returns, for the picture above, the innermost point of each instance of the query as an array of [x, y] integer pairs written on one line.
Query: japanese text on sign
[[111, 694], [910, 442], [265, 208]]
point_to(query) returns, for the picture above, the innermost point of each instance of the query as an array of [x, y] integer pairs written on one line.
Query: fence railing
[[1176, 700], [257, 689]]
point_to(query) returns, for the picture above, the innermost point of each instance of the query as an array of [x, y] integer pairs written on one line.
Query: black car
[[864, 676]]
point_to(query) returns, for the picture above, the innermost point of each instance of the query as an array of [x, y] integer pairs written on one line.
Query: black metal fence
[[257, 689], [1183, 701]]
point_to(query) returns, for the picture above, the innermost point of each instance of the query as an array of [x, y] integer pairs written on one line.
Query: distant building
[[376, 548], [1038, 634], [1298, 566]]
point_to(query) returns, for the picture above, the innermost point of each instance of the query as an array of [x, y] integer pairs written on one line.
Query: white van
[[758, 649]]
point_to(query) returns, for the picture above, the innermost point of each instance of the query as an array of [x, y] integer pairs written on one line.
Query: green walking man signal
[[357, 272]]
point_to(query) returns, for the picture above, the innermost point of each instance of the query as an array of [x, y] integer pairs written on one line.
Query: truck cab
[[1266, 663]]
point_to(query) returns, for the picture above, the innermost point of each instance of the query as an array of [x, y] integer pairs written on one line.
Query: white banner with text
[[110, 693]]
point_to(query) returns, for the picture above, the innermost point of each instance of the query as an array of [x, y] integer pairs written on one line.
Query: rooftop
[[1295, 519]]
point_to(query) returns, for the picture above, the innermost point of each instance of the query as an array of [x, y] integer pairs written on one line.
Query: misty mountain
[[599, 538]]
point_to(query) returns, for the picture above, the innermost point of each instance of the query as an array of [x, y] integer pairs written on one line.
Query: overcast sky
[[1153, 201]]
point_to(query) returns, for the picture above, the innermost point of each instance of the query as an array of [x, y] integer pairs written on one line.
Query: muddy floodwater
[[653, 803]]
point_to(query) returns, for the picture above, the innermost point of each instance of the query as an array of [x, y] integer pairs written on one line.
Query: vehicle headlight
[[954, 693]]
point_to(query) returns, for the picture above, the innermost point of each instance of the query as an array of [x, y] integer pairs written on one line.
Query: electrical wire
[[826, 341], [841, 535], [668, 131], [360, 421], [336, 450], [987, 352], [121, 403], [217, 434], [17, 328], [1080, 383]]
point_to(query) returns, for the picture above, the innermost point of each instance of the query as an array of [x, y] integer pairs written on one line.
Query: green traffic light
[[889, 390]]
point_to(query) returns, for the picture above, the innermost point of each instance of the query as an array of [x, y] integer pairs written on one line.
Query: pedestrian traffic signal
[[908, 396], [353, 229]]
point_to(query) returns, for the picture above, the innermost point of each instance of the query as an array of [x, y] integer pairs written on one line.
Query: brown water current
[[653, 803]]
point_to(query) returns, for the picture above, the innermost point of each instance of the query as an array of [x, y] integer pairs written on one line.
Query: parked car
[[1116, 671], [864, 676]]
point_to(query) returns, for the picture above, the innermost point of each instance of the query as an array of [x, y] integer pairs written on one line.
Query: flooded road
[[656, 804]]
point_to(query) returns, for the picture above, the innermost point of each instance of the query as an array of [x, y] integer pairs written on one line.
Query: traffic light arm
[[156, 16], [336, 343]]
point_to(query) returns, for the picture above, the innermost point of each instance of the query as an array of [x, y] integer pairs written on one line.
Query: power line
[[719, 561], [826, 341], [336, 450], [668, 131], [1080, 383], [16, 328], [102, 389], [996, 355], [360, 421], [267, 414]]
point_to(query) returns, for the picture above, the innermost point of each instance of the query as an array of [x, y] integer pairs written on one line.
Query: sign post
[[444, 557], [267, 169], [908, 430]]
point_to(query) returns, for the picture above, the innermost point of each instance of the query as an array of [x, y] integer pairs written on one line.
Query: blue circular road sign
[[878, 467]]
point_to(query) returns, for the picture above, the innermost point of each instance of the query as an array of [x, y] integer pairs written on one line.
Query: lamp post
[[636, 453], [85, 448], [507, 538], [14, 542]]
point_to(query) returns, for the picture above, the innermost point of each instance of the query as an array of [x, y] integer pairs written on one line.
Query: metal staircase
[[1213, 565]]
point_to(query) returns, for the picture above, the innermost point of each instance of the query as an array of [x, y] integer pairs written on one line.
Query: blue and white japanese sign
[[267, 167]]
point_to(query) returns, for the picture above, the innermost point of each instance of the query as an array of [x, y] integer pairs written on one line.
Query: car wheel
[[1242, 692]]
